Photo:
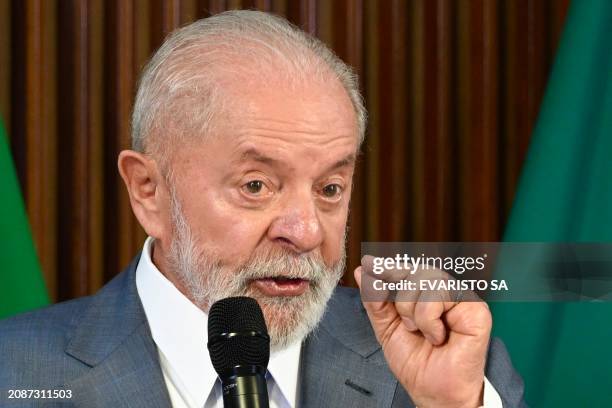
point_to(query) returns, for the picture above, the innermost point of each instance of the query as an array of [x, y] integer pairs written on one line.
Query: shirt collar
[[179, 328], [284, 367]]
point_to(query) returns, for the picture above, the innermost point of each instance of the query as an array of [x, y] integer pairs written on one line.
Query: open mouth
[[282, 286]]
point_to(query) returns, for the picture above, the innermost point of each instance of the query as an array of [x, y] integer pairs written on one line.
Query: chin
[[290, 318]]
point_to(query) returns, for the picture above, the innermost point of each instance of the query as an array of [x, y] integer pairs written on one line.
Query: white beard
[[289, 318]]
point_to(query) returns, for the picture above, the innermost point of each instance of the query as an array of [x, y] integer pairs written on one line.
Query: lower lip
[[271, 287]]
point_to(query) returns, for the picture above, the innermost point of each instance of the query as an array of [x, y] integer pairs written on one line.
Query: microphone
[[239, 348]]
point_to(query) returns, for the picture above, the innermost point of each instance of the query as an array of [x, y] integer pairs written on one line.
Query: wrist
[[472, 399]]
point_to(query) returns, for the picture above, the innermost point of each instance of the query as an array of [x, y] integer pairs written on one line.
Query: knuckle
[[479, 317], [405, 308], [425, 313]]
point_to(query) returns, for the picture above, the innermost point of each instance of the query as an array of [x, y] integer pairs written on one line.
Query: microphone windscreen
[[237, 334]]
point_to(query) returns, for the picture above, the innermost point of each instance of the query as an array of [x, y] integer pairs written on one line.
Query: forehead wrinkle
[[293, 122], [263, 129], [253, 154], [248, 151], [286, 137], [298, 125]]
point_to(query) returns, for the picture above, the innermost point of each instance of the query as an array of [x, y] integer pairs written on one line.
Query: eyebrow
[[253, 154], [347, 161]]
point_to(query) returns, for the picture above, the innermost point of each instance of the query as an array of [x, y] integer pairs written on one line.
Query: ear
[[146, 188]]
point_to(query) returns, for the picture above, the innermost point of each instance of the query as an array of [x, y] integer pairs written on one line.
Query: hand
[[436, 349]]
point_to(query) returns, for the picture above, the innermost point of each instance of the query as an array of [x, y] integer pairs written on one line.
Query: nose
[[298, 225]]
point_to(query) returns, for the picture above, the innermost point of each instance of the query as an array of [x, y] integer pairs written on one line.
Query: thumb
[[371, 298], [357, 275]]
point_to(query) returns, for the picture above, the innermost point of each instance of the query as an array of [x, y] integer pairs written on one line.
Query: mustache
[[281, 262]]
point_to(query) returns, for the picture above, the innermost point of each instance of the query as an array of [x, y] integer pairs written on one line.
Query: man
[[245, 135]]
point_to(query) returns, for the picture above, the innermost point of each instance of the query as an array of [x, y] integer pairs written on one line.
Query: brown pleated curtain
[[452, 88]]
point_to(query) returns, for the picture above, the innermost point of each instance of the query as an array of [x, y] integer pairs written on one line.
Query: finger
[[376, 286], [382, 314], [367, 262], [405, 302], [407, 295], [428, 318], [357, 275], [406, 309], [364, 282], [470, 318], [370, 292], [387, 275], [409, 323]]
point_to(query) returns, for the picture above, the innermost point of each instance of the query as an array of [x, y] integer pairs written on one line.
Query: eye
[[254, 187], [332, 190]]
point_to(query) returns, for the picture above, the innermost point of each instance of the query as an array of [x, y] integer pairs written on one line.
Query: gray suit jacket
[[100, 348]]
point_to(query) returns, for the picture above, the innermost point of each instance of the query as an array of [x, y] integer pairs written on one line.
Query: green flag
[[564, 350], [21, 283]]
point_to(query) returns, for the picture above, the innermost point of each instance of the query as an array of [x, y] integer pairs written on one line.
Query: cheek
[[335, 227], [230, 233]]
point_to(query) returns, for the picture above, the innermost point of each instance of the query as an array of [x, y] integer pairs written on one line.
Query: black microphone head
[[237, 334]]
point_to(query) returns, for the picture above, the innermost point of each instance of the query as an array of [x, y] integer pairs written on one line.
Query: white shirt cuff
[[490, 397]]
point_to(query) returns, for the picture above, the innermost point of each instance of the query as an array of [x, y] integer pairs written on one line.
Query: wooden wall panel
[[437, 168], [5, 61], [34, 121], [452, 89]]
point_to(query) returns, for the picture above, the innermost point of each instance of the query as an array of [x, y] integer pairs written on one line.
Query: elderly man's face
[[266, 198]]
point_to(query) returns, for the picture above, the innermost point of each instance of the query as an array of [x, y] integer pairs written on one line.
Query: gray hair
[[190, 67]]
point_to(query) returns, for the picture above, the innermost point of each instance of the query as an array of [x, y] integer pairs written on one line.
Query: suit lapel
[[114, 339], [129, 377], [342, 364]]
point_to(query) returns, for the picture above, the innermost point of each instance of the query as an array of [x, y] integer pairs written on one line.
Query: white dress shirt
[[179, 329]]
